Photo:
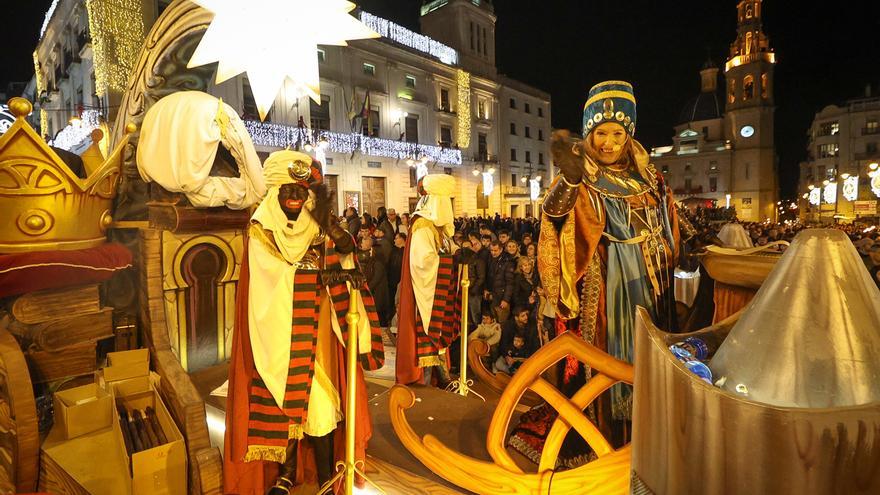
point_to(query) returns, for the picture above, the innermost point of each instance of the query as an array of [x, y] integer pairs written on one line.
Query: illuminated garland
[[830, 193], [815, 196], [411, 39], [851, 188], [49, 14], [117, 29], [75, 133], [41, 86], [283, 136], [875, 184], [464, 108]]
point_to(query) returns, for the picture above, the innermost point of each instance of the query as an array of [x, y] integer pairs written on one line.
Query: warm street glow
[[275, 40]]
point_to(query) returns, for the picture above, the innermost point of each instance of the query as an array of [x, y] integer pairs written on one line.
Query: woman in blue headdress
[[609, 242]]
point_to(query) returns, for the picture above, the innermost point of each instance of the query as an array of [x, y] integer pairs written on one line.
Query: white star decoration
[[274, 40]]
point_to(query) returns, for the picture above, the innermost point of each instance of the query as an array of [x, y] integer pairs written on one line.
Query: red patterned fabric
[[21, 273]]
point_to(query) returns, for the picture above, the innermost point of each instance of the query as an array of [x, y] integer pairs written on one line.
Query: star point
[[284, 46]]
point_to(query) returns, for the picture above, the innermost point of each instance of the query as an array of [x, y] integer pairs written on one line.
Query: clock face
[[746, 131]]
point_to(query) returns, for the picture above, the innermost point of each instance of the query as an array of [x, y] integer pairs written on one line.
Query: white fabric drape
[[178, 143]]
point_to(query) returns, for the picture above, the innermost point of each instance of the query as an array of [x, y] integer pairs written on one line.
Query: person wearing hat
[[428, 320], [286, 374], [608, 243]]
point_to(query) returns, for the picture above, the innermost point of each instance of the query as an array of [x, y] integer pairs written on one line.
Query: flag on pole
[[366, 113]]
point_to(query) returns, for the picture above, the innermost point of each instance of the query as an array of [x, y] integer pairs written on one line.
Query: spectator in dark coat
[[499, 282], [522, 326], [395, 263], [375, 272], [353, 221], [525, 284]]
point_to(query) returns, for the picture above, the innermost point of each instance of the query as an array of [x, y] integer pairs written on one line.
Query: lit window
[[748, 87], [369, 69]]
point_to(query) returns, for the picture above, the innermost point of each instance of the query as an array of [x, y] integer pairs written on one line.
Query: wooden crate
[[75, 360]]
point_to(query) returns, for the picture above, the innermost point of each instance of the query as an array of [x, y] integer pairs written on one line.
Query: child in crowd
[[515, 356], [489, 331]]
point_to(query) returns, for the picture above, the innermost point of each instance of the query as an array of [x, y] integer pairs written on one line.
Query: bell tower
[[748, 119], [466, 25]]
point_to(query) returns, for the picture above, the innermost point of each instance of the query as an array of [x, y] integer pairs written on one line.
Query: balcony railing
[[684, 191], [868, 131], [485, 158], [283, 136]]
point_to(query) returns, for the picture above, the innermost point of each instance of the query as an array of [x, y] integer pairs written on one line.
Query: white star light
[[274, 40]]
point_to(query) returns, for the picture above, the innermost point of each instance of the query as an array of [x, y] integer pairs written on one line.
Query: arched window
[[748, 87], [731, 91], [765, 86], [748, 43], [749, 11]]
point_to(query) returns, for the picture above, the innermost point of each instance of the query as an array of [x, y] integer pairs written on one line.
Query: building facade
[[391, 108], [838, 181], [82, 61], [724, 153]]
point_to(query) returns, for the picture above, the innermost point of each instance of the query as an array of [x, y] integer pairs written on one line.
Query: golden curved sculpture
[[609, 474]]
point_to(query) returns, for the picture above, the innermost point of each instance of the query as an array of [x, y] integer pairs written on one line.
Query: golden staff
[[349, 468], [462, 384]]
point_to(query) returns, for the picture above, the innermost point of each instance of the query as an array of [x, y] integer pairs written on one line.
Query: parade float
[[794, 403]]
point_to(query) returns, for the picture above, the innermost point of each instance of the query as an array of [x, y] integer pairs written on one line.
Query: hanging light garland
[[283, 136], [410, 39], [851, 187], [77, 131], [464, 108], [117, 29], [815, 196]]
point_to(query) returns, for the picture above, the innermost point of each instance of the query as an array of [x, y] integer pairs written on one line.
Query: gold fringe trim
[[428, 361], [264, 453], [295, 431]]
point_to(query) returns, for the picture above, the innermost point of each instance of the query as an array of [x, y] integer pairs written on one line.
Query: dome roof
[[704, 106]]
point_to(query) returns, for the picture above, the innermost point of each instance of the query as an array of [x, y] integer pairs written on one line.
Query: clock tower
[[748, 119]]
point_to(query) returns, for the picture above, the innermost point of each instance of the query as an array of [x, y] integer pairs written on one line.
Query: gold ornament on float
[[45, 205]]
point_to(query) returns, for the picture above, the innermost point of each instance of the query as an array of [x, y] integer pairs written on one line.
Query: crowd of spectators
[[506, 304]]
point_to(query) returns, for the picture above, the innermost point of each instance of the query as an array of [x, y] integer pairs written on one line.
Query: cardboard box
[[162, 469], [127, 364], [83, 410]]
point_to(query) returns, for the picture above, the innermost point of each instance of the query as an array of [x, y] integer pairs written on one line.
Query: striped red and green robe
[[270, 427]]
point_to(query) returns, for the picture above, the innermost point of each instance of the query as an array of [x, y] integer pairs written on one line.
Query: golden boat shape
[[609, 474]]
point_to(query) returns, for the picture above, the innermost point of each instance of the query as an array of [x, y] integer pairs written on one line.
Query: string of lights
[[41, 83], [416, 41], [284, 136], [464, 108], [117, 29], [77, 131]]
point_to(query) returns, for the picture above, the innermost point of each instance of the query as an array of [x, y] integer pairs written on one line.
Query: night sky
[[827, 52]]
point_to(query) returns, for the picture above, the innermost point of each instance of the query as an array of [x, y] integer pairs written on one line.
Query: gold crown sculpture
[[44, 206]]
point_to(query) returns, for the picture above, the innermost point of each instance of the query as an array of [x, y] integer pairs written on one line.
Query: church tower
[[466, 25], [748, 120]]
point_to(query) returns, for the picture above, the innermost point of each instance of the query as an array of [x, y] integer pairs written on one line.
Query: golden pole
[[461, 385], [352, 318], [348, 469]]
